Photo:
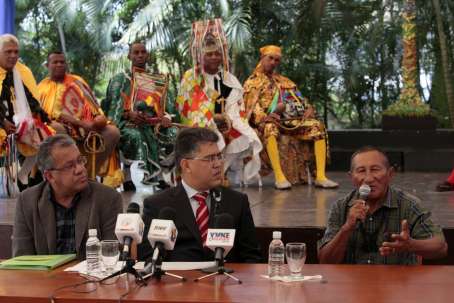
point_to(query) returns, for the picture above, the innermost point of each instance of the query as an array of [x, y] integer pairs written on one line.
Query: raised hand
[[400, 243]]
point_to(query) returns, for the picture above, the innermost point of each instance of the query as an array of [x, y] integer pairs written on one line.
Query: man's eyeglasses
[[210, 158], [81, 160]]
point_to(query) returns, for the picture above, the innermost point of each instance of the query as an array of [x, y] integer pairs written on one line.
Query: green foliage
[[345, 56]]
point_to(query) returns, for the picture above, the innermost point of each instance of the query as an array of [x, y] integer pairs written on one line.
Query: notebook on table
[[37, 262]]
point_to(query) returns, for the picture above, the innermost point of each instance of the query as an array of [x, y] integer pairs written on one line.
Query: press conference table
[[342, 283]]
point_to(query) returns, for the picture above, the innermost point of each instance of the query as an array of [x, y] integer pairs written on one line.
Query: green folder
[[37, 262]]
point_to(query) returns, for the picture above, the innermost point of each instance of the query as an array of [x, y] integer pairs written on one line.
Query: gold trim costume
[[286, 152], [74, 97]]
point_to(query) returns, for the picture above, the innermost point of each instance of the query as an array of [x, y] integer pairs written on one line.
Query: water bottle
[[93, 252], [276, 256]]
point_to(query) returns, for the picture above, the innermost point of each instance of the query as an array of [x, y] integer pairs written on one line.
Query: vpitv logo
[[159, 228], [219, 236]]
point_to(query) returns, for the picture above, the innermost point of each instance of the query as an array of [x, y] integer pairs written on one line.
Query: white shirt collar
[[189, 190]]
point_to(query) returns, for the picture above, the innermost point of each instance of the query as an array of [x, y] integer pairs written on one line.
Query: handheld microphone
[[129, 227], [364, 191], [220, 239], [162, 236]]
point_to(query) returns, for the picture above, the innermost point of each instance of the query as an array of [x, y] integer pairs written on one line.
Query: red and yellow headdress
[[208, 35]]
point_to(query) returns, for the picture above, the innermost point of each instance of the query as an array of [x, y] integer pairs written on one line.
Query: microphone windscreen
[[223, 221], [133, 208], [167, 213], [364, 191]]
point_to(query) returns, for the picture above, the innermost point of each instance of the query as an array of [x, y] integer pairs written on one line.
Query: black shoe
[[445, 186], [129, 186]]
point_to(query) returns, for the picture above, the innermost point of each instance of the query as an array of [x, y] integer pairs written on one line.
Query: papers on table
[[81, 268], [187, 265], [289, 279], [175, 266]]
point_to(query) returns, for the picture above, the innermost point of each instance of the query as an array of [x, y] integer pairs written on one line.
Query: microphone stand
[[129, 269], [157, 272], [219, 270]]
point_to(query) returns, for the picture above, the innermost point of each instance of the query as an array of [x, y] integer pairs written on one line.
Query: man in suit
[[54, 216], [198, 199]]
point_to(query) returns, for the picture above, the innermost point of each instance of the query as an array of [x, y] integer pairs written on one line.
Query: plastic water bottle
[[93, 252], [276, 256]]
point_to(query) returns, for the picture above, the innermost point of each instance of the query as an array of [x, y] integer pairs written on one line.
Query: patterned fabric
[[202, 215], [65, 222], [136, 143], [196, 101], [364, 242], [31, 132], [262, 96], [73, 97]]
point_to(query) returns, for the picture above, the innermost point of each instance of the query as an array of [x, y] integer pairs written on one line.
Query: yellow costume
[[74, 97], [286, 152]]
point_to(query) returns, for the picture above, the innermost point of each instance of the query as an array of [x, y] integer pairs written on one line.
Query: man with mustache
[[54, 216], [71, 104], [388, 227], [198, 199]]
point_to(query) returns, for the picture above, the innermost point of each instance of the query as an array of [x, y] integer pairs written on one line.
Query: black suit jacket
[[188, 246]]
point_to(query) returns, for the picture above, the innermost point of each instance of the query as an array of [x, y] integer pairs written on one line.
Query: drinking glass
[[109, 253], [296, 256]]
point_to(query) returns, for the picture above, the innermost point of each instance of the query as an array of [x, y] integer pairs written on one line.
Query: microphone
[[162, 236], [217, 197], [364, 191], [129, 227], [220, 239]]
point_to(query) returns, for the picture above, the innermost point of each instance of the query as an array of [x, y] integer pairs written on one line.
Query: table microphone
[[364, 191], [162, 236], [220, 239], [129, 227]]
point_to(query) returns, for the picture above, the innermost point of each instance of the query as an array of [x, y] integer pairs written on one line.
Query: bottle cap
[[92, 232], [277, 234]]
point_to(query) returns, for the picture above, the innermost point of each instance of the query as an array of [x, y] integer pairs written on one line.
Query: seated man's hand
[[166, 122], [138, 118], [357, 212], [272, 118], [401, 242], [9, 127]]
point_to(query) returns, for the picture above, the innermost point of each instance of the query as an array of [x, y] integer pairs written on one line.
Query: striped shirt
[[364, 242]]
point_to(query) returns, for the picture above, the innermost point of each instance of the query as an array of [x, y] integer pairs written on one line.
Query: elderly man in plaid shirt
[[388, 227]]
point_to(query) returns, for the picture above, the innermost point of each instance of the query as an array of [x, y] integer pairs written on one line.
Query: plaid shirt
[[364, 242], [65, 222]]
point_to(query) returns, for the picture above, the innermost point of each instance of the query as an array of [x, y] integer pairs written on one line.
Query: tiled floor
[[305, 205]]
